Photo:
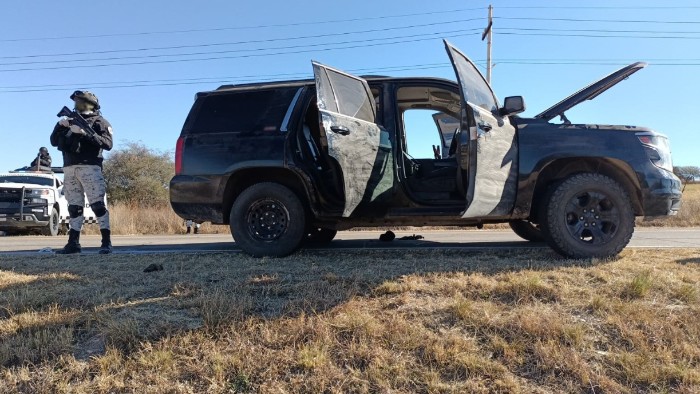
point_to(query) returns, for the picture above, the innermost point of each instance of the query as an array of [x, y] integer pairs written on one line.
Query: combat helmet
[[87, 96]]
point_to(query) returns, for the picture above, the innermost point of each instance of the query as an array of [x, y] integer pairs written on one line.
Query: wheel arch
[[246, 177], [560, 169]]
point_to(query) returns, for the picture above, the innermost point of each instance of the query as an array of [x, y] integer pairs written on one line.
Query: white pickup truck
[[33, 201]]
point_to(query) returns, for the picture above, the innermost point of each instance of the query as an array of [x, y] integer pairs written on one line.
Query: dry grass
[[134, 220], [362, 321]]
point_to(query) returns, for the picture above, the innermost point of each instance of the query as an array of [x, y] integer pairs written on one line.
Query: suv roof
[[27, 173], [303, 82]]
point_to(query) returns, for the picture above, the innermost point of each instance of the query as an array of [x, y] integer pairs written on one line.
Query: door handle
[[342, 130], [485, 126]]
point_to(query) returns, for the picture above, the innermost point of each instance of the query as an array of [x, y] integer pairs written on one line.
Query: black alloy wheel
[[588, 215]]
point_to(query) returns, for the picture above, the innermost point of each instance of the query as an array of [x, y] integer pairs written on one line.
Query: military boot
[[73, 245], [106, 246]]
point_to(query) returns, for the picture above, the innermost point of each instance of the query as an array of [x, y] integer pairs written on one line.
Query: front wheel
[[52, 229], [588, 215], [268, 219], [527, 230]]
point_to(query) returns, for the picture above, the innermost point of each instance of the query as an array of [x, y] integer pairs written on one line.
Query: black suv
[[289, 162]]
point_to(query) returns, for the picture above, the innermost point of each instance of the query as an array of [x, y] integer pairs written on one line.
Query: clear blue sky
[[662, 96]]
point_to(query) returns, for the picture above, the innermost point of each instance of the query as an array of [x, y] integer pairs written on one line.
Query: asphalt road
[[463, 239]]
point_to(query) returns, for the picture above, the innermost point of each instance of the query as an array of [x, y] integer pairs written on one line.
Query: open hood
[[591, 91]]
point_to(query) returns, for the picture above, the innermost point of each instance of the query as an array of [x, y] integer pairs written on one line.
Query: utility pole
[[488, 33]]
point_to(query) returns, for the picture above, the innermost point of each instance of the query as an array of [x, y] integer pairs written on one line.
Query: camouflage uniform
[[81, 180], [82, 167], [43, 159]]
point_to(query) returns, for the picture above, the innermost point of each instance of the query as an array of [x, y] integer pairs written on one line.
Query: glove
[[65, 122], [75, 129]]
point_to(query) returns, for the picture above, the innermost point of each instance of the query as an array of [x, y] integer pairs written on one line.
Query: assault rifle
[[78, 120]]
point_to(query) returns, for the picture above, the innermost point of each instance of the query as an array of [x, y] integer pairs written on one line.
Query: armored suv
[[289, 162]]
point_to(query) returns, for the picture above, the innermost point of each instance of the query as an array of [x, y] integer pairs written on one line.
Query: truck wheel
[[526, 230], [588, 215], [268, 219], [320, 236], [54, 224]]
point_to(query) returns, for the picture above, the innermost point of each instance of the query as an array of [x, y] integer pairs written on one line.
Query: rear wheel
[[268, 219], [52, 229], [320, 236], [588, 215], [527, 230]]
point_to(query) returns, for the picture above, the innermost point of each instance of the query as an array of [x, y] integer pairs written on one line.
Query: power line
[[509, 31], [455, 33], [236, 50], [595, 20], [300, 75], [365, 18], [241, 42], [210, 80], [601, 7], [603, 30], [357, 70], [300, 38], [596, 35]]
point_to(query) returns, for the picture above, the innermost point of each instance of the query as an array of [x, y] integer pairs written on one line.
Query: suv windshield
[[35, 180]]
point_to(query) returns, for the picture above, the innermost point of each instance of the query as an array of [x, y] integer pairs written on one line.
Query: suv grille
[[11, 195]]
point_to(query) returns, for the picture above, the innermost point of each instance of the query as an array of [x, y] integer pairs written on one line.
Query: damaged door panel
[[492, 145], [347, 115]]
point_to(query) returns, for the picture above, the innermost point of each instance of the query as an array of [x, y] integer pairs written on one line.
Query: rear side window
[[259, 110], [352, 95]]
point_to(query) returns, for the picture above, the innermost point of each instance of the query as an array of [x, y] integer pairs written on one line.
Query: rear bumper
[[663, 195], [197, 198]]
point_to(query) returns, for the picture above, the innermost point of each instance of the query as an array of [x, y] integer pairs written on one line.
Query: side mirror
[[512, 105]]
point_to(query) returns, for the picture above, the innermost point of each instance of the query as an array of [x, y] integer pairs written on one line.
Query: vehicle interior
[[430, 134], [312, 149]]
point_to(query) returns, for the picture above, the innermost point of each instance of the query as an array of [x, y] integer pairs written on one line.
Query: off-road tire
[[526, 230], [587, 215], [320, 236], [268, 219], [54, 226]]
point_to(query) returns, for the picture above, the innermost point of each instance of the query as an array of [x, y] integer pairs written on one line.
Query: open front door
[[347, 114], [492, 147]]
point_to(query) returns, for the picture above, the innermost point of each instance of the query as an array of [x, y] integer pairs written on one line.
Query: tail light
[[658, 149], [178, 155]]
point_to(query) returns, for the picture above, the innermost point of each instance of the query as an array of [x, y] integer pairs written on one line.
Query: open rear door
[[348, 114], [492, 147]]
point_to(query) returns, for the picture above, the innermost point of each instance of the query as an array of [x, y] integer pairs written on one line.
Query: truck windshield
[[35, 180]]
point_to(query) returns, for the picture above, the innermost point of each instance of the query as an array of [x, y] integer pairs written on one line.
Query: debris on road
[[387, 236], [154, 267]]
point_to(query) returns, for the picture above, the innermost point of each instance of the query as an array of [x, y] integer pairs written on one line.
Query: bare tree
[[136, 174]]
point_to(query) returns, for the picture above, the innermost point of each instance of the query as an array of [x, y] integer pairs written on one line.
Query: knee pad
[[75, 211], [99, 208]]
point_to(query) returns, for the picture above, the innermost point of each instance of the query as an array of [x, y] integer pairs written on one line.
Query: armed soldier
[[82, 136], [43, 159]]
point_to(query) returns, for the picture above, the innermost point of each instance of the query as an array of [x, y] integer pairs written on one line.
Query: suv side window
[[261, 110], [349, 97], [477, 91]]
